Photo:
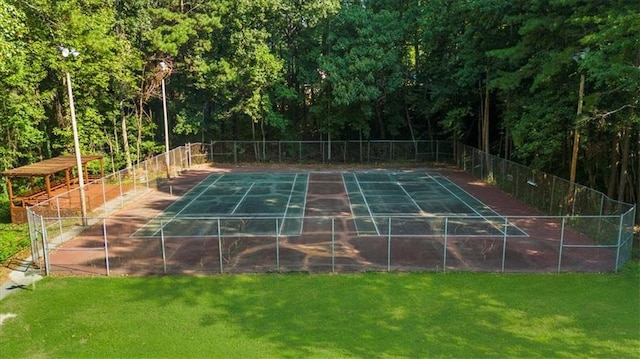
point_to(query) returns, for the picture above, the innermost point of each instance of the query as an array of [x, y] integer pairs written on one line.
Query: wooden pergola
[[46, 169]]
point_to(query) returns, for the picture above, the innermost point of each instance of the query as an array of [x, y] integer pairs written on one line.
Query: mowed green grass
[[370, 315]]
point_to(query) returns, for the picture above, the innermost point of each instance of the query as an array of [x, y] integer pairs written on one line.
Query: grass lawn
[[370, 315]]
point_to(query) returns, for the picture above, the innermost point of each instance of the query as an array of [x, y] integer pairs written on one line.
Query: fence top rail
[[332, 141], [407, 216], [630, 206]]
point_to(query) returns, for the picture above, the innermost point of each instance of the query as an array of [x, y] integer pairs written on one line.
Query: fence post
[[235, 152], [164, 253], [333, 245], [561, 244], [220, 246], [106, 246], [553, 187], [45, 250], [59, 214], [120, 187], [621, 224], [33, 236], [104, 197], [277, 246], [504, 243], [389, 246], [444, 250]]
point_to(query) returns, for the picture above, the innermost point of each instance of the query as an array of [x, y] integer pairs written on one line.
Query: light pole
[[165, 68], [576, 132], [65, 52]]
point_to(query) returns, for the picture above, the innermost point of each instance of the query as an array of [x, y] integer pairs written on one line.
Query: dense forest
[[552, 84]]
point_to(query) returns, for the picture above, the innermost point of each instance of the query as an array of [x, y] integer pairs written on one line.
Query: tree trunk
[[615, 162], [576, 144], [125, 137], [624, 162]]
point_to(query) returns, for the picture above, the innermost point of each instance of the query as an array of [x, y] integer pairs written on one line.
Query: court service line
[[243, 197], [466, 204]]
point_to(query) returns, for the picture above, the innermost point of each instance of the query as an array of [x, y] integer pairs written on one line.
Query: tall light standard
[[165, 69], [65, 52], [576, 131]]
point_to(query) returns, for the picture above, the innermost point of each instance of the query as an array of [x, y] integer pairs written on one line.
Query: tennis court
[[248, 204], [417, 203], [257, 204], [217, 218]]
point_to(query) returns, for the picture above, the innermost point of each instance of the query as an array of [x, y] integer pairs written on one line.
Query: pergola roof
[[48, 167]]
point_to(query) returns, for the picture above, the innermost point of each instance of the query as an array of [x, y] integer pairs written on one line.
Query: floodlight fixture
[[65, 52]]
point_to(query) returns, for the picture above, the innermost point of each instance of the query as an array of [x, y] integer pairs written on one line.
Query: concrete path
[[23, 276]]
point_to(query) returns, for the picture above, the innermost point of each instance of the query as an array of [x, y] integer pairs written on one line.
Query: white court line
[[346, 190], [242, 199], [286, 209], [420, 210], [466, 204], [367, 204], [183, 208]]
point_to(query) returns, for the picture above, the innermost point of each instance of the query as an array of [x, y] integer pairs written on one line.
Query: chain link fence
[[103, 242], [606, 221]]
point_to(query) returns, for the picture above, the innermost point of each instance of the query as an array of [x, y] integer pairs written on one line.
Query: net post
[[106, 247], [220, 246], [561, 244], [164, 253], [504, 243], [444, 247], [389, 246]]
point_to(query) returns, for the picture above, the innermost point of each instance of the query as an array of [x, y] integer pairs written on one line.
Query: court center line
[[346, 190], [420, 210], [243, 197], [286, 209], [367, 204]]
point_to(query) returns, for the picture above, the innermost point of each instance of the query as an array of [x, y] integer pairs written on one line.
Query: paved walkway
[[22, 277]]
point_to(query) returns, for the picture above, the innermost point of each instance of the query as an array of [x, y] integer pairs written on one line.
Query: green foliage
[[13, 238], [285, 69]]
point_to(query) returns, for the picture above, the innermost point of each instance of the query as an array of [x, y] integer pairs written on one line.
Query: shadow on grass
[[416, 315]]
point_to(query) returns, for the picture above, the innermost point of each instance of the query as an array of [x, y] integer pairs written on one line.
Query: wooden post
[[67, 178], [10, 189], [47, 183]]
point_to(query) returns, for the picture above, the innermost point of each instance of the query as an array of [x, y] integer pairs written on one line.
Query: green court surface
[[413, 203], [235, 204], [381, 203]]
